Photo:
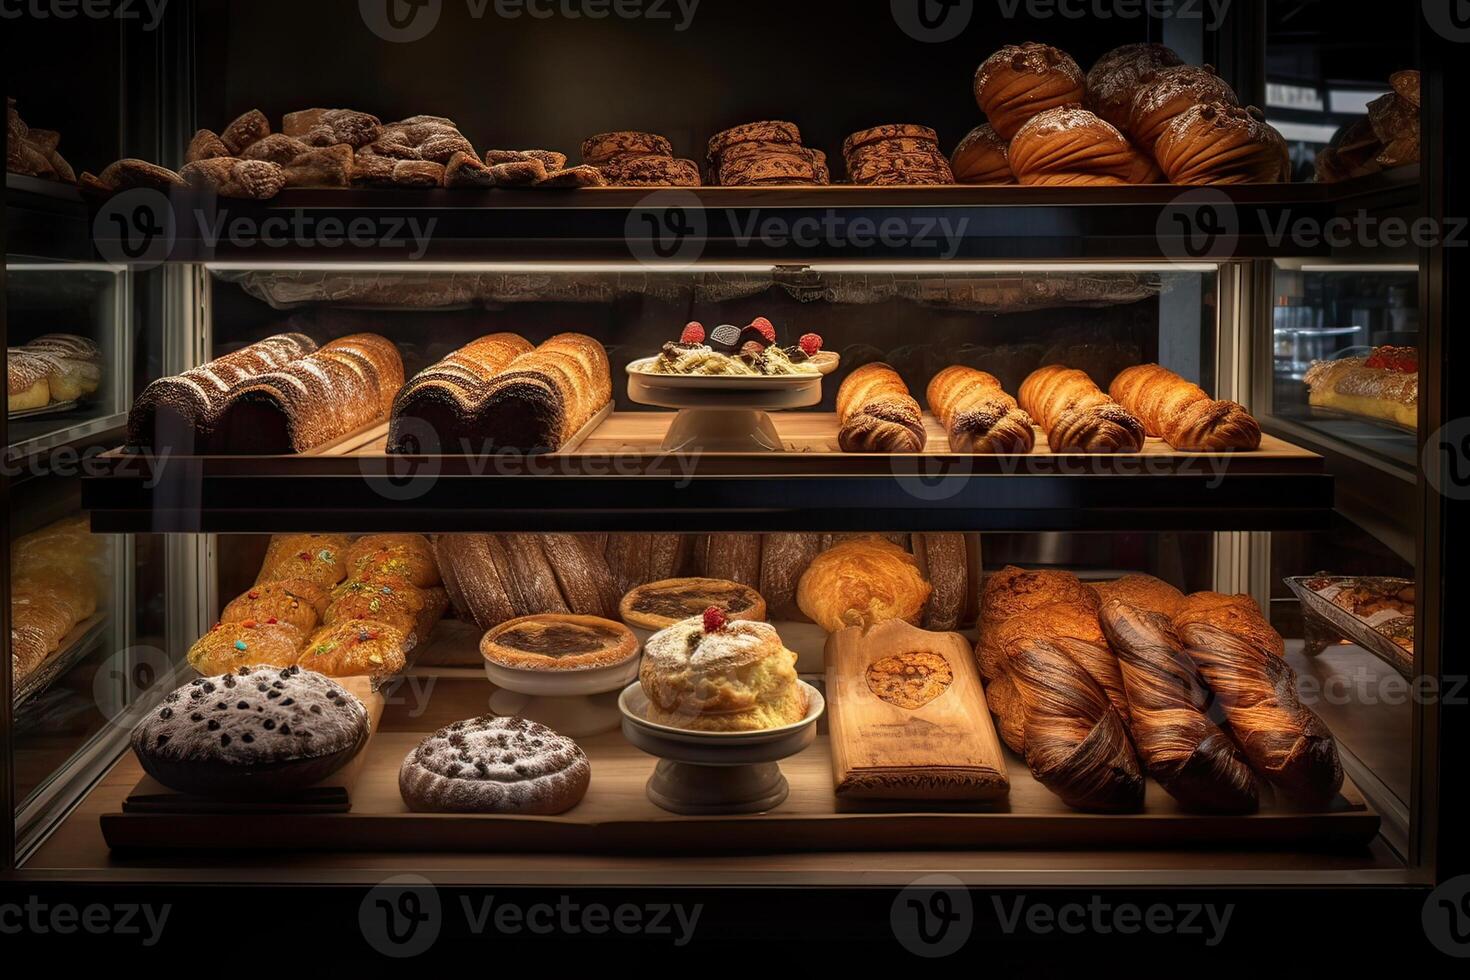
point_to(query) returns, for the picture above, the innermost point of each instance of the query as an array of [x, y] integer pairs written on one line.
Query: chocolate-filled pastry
[[129, 174], [658, 605], [259, 734], [1117, 76], [876, 413], [1076, 744], [1163, 95], [494, 765], [982, 157], [1075, 414], [206, 145], [583, 176], [978, 414], [330, 127], [1218, 143], [1240, 657], [1021, 80], [1072, 146], [1190, 756], [1181, 414], [608, 147], [559, 641], [467, 170]]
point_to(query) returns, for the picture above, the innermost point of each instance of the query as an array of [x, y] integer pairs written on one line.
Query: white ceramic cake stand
[[574, 703], [703, 773], [722, 414]]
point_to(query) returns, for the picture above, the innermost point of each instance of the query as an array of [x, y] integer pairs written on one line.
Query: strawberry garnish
[[693, 333], [766, 328], [810, 344], [714, 619]]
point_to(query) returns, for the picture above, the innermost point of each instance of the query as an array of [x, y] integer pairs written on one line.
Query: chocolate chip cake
[[494, 765], [261, 733]]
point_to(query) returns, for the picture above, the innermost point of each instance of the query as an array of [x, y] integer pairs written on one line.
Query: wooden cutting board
[[331, 795], [908, 717]]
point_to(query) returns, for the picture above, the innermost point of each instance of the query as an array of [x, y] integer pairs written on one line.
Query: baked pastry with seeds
[[558, 641], [259, 734], [381, 600], [406, 556], [318, 558], [658, 605], [246, 643], [494, 765], [354, 648]]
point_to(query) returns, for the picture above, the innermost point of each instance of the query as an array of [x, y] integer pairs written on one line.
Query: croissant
[[876, 413], [1219, 143], [1021, 80], [1076, 415], [1076, 745], [1181, 414], [1187, 753], [1239, 656], [977, 413], [1072, 146]]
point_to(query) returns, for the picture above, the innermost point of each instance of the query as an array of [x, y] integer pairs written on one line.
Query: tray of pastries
[[1375, 612]]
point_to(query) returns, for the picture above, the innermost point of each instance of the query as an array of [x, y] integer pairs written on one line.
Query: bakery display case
[[1030, 492]]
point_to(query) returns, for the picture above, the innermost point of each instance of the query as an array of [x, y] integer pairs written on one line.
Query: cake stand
[[574, 703], [702, 773], [722, 413]]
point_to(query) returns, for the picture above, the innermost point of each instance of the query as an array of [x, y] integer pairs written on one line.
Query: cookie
[[769, 131], [607, 147], [909, 680], [494, 765], [260, 733], [767, 168], [651, 172], [878, 134], [744, 151]]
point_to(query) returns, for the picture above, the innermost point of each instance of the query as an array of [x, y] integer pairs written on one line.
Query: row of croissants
[[1099, 685], [1140, 116], [877, 414]]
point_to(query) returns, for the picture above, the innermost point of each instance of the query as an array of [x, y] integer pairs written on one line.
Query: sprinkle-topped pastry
[[247, 643], [260, 733], [494, 765], [709, 673], [299, 602], [661, 604], [356, 647], [558, 641]]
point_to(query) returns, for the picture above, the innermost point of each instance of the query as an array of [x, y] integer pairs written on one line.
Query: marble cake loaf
[[535, 402], [181, 413], [345, 386]]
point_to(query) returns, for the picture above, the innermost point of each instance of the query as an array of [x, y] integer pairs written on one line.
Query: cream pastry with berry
[[713, 674], [752, 352]]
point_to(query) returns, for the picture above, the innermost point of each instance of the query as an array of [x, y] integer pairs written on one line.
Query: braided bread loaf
[[1189, 755], [1240, 657], [876, 413], [977, 413], [1076, 415], [1181, 413]]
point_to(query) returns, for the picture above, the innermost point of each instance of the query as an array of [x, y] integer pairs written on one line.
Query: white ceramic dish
[[724, 382], [575, 703]]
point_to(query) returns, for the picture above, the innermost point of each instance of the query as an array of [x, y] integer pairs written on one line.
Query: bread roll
[[1117, 76], [1072, 146], [862, 582], [1163, 95], [1218, 143], [982, 157], [1021, 80]]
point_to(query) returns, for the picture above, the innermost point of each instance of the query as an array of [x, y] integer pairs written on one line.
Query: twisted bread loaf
[[1189, 755], [1219, 143], [1143, 592], [1076, 744], [1070, 145], [1076, 415], [876, 413], [1073, 629], [977, 413], [1021, 80], [1239, 656], [1181, 414]]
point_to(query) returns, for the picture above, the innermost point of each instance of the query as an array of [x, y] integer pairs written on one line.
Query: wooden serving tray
[[617, 817], [332, 795]]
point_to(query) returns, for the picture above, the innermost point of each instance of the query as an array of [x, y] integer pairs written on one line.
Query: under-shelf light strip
[[956, 268]]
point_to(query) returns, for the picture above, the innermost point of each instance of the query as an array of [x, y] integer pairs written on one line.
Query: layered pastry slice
[[1384, 385]]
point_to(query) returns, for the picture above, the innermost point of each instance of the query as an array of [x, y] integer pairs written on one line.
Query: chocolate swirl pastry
[[1182, 414], [1021, 80], [1163, 95], [978, 414], [1076, 415], [1219, 143], [258, 734], [558, 642], [1116, 77], [1190, 756], [494, 765], [1072, 146], [876, 413]]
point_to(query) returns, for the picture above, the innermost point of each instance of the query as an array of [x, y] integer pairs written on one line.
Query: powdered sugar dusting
[[686, 645], [1031, 56], [1065, 118], [1185, 82], [494, 765]]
